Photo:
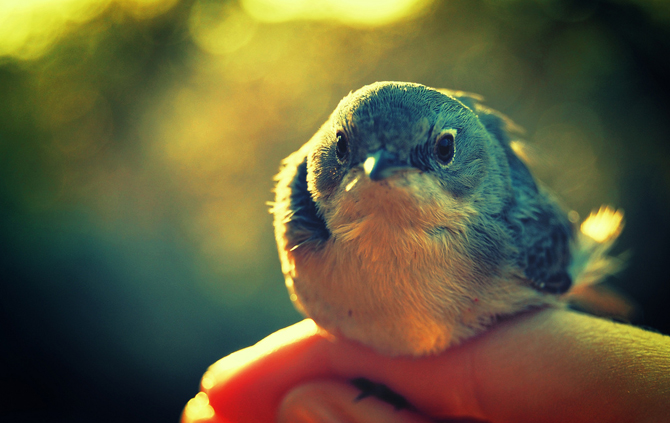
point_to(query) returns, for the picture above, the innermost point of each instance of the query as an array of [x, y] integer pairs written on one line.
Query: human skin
[[548, 365]]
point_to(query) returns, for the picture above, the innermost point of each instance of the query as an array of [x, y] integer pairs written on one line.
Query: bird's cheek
[[328, 185]]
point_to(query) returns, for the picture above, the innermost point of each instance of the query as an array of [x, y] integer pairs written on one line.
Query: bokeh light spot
[[29, 28], [352, 12], [220, 28], [144, 9]]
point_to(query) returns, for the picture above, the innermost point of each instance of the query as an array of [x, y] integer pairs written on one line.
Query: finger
[[248, 386], [335, 402]]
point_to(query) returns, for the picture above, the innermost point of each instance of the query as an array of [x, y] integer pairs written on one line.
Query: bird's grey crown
[[389, 116]]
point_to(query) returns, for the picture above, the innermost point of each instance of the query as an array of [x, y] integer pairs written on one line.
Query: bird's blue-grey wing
[[544, 246], [542, 231], [296, 215]]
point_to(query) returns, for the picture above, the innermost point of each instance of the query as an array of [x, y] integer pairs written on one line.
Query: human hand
[[550, 365]]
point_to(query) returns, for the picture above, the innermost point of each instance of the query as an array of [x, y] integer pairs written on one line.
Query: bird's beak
[[382, 164]]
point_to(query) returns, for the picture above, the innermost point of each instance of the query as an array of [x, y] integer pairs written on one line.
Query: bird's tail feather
[[591, 260], [592, 263]]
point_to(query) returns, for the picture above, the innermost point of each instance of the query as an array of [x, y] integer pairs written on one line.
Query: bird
[[410, 222]]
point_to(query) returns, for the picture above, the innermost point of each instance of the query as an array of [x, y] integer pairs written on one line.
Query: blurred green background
[[139, 138]]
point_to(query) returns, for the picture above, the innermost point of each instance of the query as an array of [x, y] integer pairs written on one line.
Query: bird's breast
[[395, 287]]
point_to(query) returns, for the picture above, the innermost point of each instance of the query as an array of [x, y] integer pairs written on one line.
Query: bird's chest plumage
[[383, 290], [386, 278]]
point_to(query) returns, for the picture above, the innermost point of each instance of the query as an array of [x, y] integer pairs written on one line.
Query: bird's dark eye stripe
[[420, 156]]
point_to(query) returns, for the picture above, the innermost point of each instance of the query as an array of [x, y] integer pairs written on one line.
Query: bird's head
[[404, 152]]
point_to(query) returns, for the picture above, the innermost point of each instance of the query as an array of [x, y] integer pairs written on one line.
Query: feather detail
[[591, 261]]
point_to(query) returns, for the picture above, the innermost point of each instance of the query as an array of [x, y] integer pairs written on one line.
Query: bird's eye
[[342, 148], [444, 148]]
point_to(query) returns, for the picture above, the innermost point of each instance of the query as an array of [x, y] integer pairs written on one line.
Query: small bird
[[409, 223]]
